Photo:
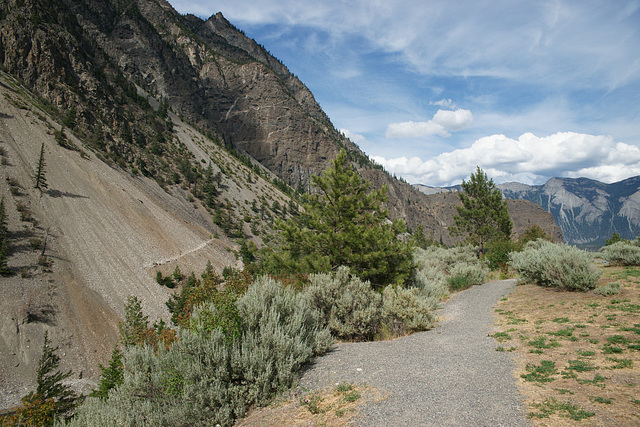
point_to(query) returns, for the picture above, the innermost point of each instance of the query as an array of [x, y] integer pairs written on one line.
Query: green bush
[[441, 270], [349, 306], [206, 379], [621, 253], [554, 265], [473, 274], [612, 288], [407, 310]]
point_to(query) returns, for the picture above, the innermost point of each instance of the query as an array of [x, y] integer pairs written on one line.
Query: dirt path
[[449, 376]]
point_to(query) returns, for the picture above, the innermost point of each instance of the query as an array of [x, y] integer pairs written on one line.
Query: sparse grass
[[542, 373], [578, 344], [566, 409]]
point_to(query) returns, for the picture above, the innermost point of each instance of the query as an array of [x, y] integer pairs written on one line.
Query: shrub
[[612, 288], [553, 265], [349, 306], [206, 379], [473, 274], [441, 270], [621, 253], [407, 310], [432, 282], [497, 252]]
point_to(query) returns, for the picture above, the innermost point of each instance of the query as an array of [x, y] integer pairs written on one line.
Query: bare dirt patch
[[578, 354], [335, 406]]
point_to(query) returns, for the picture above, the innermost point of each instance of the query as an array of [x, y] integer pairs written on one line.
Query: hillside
[[108, 232]]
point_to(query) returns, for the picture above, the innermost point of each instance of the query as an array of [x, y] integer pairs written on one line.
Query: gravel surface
[[449, 376]]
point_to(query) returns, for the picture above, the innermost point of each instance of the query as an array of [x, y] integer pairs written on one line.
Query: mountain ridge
[[588, 211]]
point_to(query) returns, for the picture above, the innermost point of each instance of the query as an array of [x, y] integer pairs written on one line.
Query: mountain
[[169, 141], [587, 211]]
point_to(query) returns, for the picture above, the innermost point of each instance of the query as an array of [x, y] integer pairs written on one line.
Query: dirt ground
[[578, 353]]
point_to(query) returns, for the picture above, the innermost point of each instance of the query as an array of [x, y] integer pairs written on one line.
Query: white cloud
[[529, 159], [443, 122], [453, 120], [561, 41], [444, 103]]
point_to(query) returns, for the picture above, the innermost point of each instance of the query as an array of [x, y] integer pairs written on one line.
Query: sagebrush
[[556, 265]]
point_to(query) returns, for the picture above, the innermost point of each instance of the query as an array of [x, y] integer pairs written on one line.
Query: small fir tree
[[484, 215], [111, 376], [615, 238], [52, 399], [4, 241], [40, 179], [135, 325]]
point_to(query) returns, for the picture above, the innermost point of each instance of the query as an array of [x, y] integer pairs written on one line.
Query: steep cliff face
[[587, 211]]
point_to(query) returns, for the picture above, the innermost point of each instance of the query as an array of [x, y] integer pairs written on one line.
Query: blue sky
[[527, 90]]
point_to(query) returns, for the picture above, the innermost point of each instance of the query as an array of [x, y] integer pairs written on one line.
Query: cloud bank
[[442, 123], [529, 159]]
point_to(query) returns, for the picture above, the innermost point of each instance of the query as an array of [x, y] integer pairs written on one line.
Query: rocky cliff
[[587, 211]]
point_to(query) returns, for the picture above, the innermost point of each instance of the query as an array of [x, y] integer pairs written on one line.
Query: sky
[[430, 89]]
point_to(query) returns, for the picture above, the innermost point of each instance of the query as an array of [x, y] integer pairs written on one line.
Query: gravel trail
[[449, 376]]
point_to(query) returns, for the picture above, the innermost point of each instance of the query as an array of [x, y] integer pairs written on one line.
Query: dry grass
[[337, 406], [578, 354]]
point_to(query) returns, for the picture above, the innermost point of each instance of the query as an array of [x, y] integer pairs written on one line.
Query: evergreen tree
[[52, 398], [4, 241], [135, 325], [41, 181], [484, 215], [615, 238], [111, 376], [345, 224]]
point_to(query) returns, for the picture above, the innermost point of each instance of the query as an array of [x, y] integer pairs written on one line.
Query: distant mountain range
[[587, 211]]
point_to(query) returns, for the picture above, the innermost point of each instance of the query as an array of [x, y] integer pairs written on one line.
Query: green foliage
[[532, 234], [220, 313], [484, 215], [52, 399], [347, 305], [621, 253], [407, 310], [4, 242], [343, 224], [206, 379], [615, 238], [195, 293], [553, 265], [40, 179], [441, 269], [419, 239], [609, 289], [498, 251], [542, 373], [566, 409], [135, 323], [111, 376]]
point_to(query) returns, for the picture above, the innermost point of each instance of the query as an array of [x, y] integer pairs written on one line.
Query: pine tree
[[345, 224], [132, 330], [484, 215], [52, 398], [41, 181], [4, 242], [111, 376]]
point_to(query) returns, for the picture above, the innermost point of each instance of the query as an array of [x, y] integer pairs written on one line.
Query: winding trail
[[449, 376]]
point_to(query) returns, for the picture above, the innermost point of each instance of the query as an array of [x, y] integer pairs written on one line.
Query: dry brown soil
[[593, 342]]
